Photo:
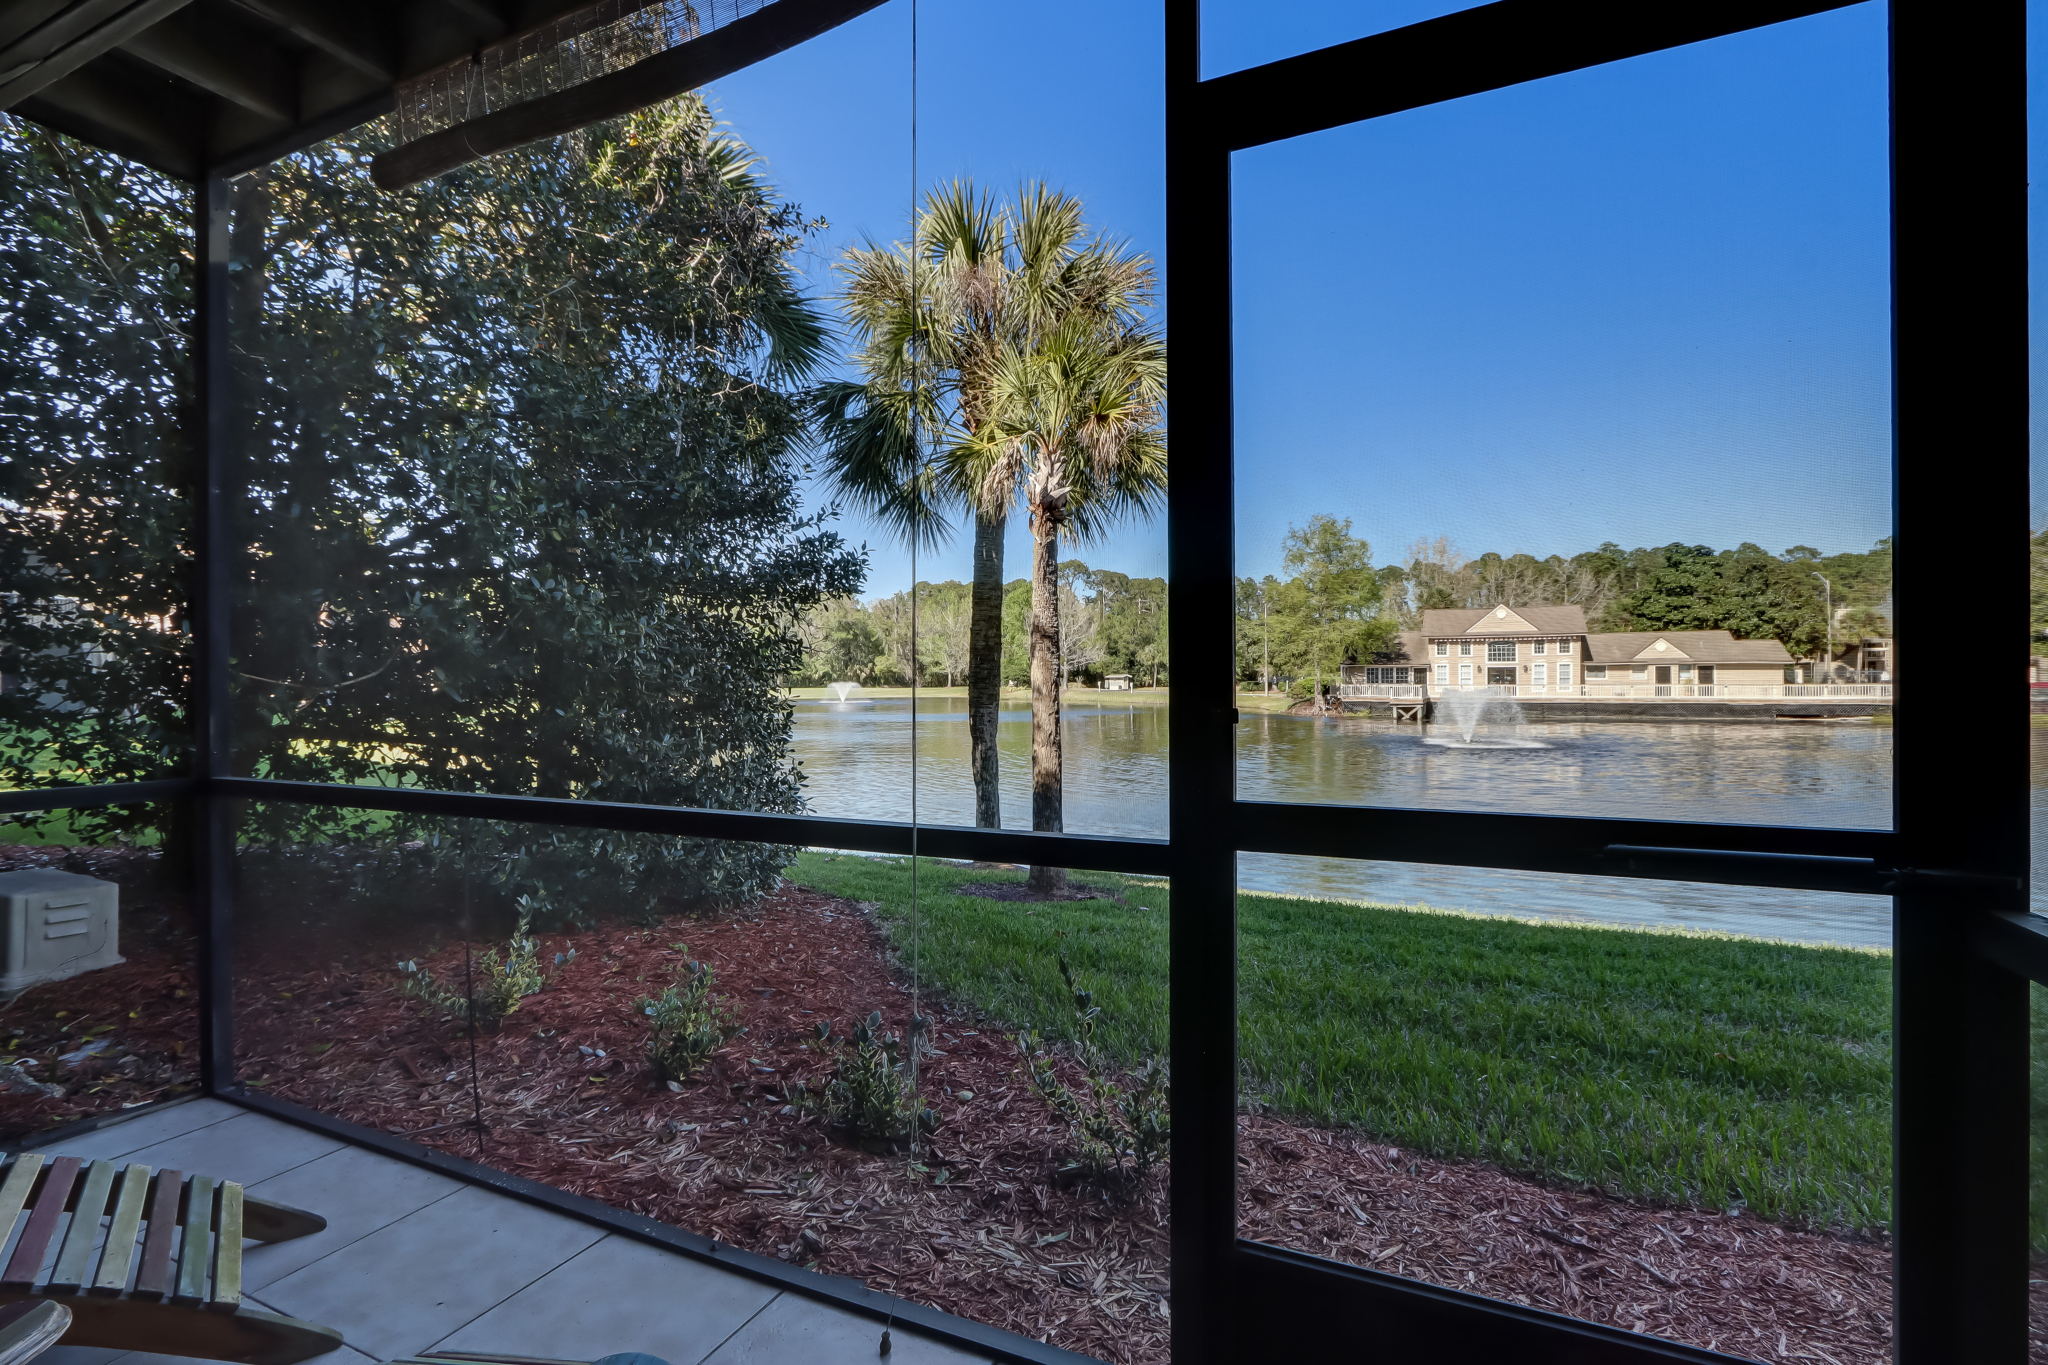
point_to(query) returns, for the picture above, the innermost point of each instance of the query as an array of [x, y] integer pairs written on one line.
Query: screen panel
[[1674, 1129], [1563, 443], [95, 464], [101, 984]]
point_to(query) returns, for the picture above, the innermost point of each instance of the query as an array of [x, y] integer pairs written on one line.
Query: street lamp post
[[1829, 609]]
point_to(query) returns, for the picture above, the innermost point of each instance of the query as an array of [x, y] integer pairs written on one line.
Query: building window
[[1596, 672], [1500, 651], [1464, 675], [1539, 674], [1640, 671], [1465, 648], [1685, 672], [1443, 673], [1443, 647], [1540, 647], [1564, 646], [1564, 677]]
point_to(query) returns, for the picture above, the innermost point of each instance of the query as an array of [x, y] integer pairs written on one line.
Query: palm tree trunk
[[985, 668], [1045, 692]]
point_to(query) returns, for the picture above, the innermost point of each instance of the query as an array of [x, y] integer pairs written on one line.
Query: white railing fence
[[1631, 691]]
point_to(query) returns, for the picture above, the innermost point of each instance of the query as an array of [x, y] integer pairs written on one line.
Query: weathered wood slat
[[126, 1226], [21, 1178], [195, 1257], [227, 1254], [153, 1280], [27, 1262], [74, 1258]]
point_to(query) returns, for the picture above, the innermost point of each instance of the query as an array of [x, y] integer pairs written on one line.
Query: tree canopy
[[516, 485]]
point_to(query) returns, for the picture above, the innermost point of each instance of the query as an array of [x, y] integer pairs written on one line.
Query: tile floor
[[412, 1260]]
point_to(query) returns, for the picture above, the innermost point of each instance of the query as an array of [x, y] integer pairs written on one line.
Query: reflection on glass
[[94, 463], [1564, 444], [1676, 1132], [100, 985], [861, 1065]]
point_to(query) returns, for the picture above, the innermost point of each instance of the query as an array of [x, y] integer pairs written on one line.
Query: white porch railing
[[1630, 691]]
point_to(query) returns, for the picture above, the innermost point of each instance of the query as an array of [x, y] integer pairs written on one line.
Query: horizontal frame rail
[[1413, 1319], [1741, 855], [1080, 852], [2016, 942], [885, 1309], [1510, 42], [29, 800]]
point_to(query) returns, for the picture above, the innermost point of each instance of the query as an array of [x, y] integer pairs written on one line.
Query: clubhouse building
[[1546, 653]]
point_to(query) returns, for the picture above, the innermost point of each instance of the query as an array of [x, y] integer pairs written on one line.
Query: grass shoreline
[[1670, 1068]]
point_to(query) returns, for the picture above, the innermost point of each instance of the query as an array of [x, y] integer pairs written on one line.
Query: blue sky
[[1641, 303]]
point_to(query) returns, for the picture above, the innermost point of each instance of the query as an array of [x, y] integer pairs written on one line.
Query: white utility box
[[58, 925]]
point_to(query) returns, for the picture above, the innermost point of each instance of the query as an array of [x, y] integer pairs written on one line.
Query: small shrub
[[690, 1023], [499, 980], [1120, 1127], [869, 1098]]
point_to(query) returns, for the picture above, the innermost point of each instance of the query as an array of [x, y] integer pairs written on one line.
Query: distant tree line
[[1334, 605], [1108, 623]]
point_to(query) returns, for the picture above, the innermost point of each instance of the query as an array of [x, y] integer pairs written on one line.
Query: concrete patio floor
[[413, 1260]]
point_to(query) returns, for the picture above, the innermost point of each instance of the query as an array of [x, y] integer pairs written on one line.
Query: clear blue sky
[[1641, 303]]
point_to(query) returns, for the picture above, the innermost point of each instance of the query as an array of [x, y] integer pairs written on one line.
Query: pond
[[858, 758]]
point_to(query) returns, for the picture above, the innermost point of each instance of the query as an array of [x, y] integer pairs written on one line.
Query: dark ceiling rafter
[[232, 64], [72, 37], [199, 87], [345, 33]]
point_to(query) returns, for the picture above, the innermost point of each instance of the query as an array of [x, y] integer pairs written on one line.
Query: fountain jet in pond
[[1480, 720], [842, 692]]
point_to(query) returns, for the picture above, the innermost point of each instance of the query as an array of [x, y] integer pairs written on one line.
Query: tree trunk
[[985, 669], [1045, 693]]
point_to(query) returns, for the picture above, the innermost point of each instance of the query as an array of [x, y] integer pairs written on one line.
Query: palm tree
[[1073, 423], [934, 321]]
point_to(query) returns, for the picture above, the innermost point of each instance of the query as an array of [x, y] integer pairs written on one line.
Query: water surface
[[859, 758]]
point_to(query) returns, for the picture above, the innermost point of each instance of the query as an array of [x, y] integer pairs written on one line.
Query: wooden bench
[[166, 1274]]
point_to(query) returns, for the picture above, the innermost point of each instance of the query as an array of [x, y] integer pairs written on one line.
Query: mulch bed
[[980, 1223], [145, 1010]]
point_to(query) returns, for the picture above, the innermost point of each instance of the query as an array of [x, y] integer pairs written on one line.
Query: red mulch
[[147, 1005], [980, 1224], [985, 1229]]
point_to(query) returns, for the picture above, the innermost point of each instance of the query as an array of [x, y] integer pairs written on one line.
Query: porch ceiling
[[197, 86]]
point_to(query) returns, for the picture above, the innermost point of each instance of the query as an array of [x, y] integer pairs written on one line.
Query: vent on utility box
[[59, 924]]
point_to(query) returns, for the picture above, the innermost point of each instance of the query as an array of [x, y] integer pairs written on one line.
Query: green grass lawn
[[1674, 1068]]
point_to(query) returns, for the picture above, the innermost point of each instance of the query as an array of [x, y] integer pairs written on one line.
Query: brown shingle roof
[[1542, 621], [1698, 646]]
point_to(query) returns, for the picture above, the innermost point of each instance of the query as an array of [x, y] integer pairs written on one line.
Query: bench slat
[[27, 1261], [21, 1178], [227, 1253], [119, 1257], [74, 1259], [153, 1280], [195, 1257]]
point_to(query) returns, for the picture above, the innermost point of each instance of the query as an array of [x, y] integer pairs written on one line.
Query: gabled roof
[[1491, 621], [1685, 646]]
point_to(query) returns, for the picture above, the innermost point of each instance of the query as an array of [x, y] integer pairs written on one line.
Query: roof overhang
[[217, 87]]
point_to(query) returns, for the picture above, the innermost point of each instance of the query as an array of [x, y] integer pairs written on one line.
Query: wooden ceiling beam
[[337, 30], [146, 128], [67, 40], [481, 16], [236, 66]]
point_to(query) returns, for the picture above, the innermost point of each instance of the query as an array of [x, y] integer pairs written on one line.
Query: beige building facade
[[1546, 651]]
